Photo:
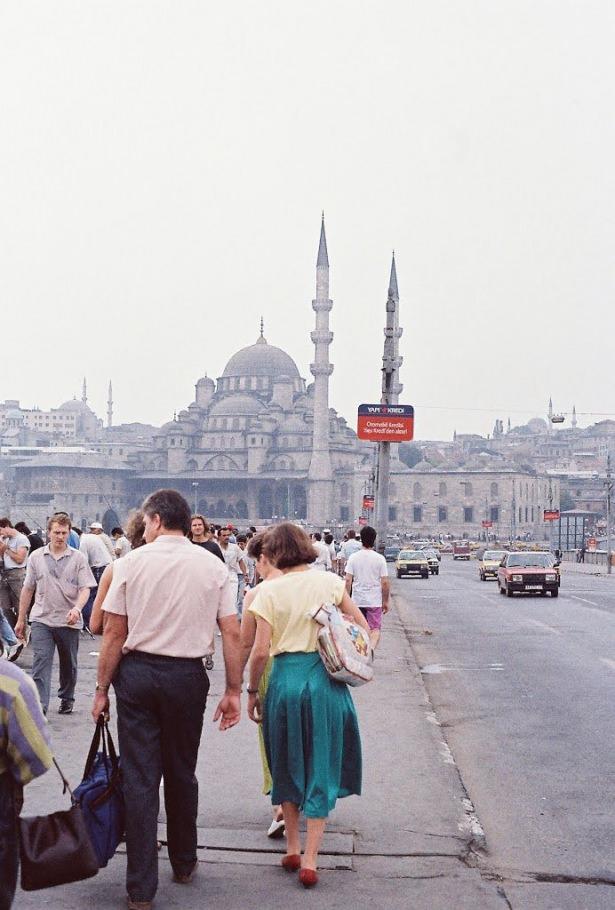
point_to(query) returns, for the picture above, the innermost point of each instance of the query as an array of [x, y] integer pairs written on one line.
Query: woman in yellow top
[[309, 722]]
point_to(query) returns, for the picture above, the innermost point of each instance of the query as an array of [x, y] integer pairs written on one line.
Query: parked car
[[391, 553], [490, 563], [433, 558], [529, 572], [412, 562]]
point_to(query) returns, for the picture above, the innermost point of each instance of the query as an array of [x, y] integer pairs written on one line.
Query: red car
[[532, 573]]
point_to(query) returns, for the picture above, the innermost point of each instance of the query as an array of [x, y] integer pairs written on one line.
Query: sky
[[164, 166]]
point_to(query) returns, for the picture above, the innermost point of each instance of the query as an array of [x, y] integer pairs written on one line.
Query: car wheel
[[398, 572], [509, 592], [554, 592], [501, 589], [481, 576]]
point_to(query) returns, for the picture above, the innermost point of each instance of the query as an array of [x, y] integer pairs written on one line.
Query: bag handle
[[64, 781], [89, 762]]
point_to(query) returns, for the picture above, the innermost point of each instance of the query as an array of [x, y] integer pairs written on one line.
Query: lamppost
[[195, 487], [609, 490]]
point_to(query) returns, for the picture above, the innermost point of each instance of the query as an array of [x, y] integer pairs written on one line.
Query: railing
[[592, 557]]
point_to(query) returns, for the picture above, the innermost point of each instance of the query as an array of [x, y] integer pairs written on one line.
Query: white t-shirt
[[367, 568], [123, 545], [15, 543], [232, 556], [323, 558], [94, 549]]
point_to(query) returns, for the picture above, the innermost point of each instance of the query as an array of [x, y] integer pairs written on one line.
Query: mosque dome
[[78, 407], [237, 406], [261, 359]]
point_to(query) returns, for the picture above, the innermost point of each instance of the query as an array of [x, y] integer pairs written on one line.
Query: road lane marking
[[583, 600], [542, 625], [610, 663]]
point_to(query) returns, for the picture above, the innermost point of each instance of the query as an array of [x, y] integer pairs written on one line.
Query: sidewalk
[[402, 844], [585, 568]]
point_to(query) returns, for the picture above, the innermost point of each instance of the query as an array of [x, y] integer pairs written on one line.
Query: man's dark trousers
[[160, 707], [9, 849]]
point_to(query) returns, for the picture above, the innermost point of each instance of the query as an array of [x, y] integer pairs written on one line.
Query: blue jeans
[[7, 635], [9, 851]]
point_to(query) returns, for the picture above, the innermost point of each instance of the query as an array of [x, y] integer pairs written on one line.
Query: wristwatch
[[251, 691], [100, 688]]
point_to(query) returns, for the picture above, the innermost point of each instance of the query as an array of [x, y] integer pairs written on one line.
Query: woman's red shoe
[[308, 878], [291, 862]]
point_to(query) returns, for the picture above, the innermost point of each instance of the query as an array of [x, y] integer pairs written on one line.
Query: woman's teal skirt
[[311, 735]]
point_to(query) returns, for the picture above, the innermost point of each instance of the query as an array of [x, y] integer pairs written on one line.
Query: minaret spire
[[110, 406], [396, 387], [84, 392], [393, 289], [574, 417], [320, 474], [323, 257]]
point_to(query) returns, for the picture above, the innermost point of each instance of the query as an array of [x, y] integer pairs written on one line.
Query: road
[[524, 689]]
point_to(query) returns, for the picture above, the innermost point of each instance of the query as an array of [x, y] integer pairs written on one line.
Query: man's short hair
[[5, 523], [22, 527], [329, 538], [116, 531], [287, 546], [317, 535], [241, 538], [368, 536], [350, 534], [171, 508], [59, 518]]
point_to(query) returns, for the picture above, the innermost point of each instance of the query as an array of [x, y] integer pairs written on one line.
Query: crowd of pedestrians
[[160, 594]]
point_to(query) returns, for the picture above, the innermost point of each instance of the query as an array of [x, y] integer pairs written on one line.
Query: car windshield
[[494, 555], [530, 559], [430, 553], [394, 550], [411, 554]]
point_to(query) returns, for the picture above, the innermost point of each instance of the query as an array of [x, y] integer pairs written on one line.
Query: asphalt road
[[524, 690]]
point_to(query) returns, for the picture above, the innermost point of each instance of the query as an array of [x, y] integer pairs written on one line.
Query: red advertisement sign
[[486, 523], [362, 520], [385, 422], [551, 514], [368, 502]]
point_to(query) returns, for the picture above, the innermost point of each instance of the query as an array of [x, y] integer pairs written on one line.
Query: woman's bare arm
[[97, 617]]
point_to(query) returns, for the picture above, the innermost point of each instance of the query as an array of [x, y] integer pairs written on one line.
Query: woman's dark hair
[[171, 508], [22, 527], [287, 546], [328, 539], [255, 545]]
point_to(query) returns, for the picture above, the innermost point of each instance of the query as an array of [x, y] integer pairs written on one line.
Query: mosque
[[260, 443]]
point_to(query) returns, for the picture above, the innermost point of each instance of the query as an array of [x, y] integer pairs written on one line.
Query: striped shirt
[[25, 747]]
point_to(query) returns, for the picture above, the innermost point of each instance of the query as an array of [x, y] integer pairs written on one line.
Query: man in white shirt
[[14, 550], [323, 557], [235, 563], [92, 545], [367, 577], [121, 544]]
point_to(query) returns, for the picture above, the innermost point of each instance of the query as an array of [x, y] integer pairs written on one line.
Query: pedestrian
[[329, 542], [200, 534], [323, 557], [93, 546], [367, 576], [134, 533], [121, 544], [266, 570], [14, 549], [235, 564], [25, 753], [161, 611], [36, 541], [351, 545], [309, 722], [62, 580]]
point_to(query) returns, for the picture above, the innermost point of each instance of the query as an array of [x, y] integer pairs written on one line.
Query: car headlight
[[517, 578], [551, 577]]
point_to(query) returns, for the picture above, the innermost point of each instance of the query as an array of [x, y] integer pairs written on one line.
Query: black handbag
[[55, 849]]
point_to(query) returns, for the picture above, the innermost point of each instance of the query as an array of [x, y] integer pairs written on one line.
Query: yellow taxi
[[412, 562], [490, 563]]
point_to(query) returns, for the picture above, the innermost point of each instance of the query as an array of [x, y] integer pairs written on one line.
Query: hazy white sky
[[163, 166]]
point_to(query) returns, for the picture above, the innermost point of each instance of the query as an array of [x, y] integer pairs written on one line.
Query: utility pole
[[389, 366], [609, 490]]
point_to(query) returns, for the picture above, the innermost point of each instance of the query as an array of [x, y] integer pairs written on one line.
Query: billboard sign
[[551, 514], [385, 422], [368, 502]]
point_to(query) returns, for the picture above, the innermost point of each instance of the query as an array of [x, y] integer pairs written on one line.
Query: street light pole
[[609, 490], [195, 486]]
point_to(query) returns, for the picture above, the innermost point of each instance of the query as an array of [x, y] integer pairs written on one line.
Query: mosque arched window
[[494, 489], [344, 491], [442, 488], [417, 490], [235, 423]]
